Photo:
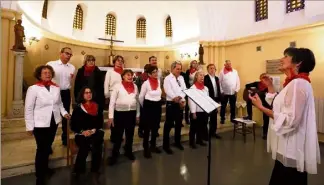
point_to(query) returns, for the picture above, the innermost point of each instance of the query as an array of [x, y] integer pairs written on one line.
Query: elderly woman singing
[[292, 135]]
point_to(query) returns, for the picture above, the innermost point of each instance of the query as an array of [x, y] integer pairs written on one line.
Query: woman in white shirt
[[150, 99], [292, 137], [198, 117], [43, 109], [123, 113]]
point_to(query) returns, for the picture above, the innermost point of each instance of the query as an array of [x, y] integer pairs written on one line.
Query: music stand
[[208, 105]]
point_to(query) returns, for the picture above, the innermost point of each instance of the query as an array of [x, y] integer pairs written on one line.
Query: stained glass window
[[110, 25], [294, 5], [141, 28], [261, 10], [78, 18], [168, 27]]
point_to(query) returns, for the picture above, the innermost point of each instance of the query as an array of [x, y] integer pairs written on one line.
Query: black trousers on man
[[174, 116], [265, 117], [44, 137], [66, 99], [92, 143], [232, 101]]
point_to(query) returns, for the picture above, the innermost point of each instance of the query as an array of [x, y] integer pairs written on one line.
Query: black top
[[80, 120], [95, 81], [208, 83], [186, 78]]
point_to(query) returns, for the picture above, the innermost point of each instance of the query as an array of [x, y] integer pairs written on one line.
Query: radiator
[[319, 112]]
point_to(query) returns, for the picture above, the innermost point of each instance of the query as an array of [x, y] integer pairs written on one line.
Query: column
[[17, 110]]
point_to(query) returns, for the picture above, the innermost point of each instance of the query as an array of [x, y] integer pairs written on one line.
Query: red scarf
[[91, 108], [88, 70], [144, 77], [129, 87], [228, 69], [199, 85], [45, 83], [261, 86], [154, 83], [118, 70], [192, 70], [293, 76]]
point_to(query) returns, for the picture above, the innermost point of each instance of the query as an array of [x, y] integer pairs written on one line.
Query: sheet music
[[203, 101]]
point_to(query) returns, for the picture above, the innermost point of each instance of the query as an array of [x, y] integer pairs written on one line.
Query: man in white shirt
[[230, 85], [64, 74], [173, 85], [153, 62]]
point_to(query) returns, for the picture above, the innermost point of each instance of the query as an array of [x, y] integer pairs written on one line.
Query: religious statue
[[19, 36], [201, 54]]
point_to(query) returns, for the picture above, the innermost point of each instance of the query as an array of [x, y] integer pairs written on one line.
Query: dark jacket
[[262, 94], [94, 81], [186, 77], [208, 83], [81, 120]]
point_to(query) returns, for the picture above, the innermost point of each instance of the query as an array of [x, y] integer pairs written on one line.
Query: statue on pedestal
[[201, 55], [19, 37]]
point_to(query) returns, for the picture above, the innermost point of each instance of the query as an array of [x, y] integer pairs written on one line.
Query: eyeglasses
[[67, 53], [87, 92]]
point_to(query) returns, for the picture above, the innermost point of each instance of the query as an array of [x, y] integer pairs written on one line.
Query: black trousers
[[187, 111], [232, 101], [141, 121], [44, 139], [282, 175], [198, 128], [152, 116], [174, 116], [265, 117], [124, 121], [92, 143], [66, 99]]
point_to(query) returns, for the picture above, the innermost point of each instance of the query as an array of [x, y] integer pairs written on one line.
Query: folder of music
[[202, 100]]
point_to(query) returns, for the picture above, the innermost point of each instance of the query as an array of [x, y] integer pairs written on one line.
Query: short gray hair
[[175, 63]]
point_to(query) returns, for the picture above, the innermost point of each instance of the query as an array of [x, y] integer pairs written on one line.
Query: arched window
[[78, 18], [294, 5], [110, 25], [168, 27], [141, 28], [44, 12], [261, 10]]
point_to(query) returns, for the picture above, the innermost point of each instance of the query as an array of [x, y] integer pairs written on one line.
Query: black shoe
[[193, 146], [179, 146], [247, 118], [201, 143], [147, 154], [222, 122], [112, 161], [140, 133], [156, 150], [157, 135], [40, 181], [168, 150], [216, 136], [130, 156], [50, 172], [187, 122]]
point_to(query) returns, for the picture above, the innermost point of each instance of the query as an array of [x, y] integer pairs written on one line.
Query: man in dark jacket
[[211, 81]]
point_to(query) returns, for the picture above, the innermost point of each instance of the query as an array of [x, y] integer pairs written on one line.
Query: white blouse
[[120, 100], [292, 135], [112, 79], [192, 105], [148, 94]]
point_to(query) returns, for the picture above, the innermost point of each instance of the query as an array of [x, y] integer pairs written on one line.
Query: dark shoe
[[187, 122], [112, 161], [168, 150], [50, 172], [201, 143], [222, 122], [147, 154], [156, 150], [130, 156], [216, 136], [179, 146], [140, 133], [40, 181], [157, 134], [193, 146], [247, 118]]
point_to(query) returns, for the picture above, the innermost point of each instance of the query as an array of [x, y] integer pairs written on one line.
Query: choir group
[[141, 102]]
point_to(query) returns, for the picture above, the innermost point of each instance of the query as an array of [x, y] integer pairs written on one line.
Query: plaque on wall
[[272, 66]]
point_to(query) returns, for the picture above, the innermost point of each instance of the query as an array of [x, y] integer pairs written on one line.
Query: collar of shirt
[[61, 63]]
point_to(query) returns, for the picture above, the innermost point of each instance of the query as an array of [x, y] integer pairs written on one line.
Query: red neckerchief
[[129, 87], [154, 83], [91, 108], [228, 69], [192, 70], [199, 85], [45, 83], [144, 77], [118, 70], [261, 86], [304, 76], [88, 70]]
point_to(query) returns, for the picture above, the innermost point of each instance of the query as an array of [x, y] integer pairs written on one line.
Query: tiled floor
[[233, 163]]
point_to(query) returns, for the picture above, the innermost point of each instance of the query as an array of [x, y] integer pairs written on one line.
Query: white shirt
[[172, 88], [148, 94], [292, 134], [192, 105], [229, 82], [120, 100], [112, 80], [40, 104], [64, 73], [213, 80]]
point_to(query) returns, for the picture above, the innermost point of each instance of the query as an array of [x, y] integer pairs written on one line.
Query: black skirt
[[282, 175]]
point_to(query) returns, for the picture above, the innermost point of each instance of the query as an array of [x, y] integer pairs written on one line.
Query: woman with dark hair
[[150, 99], [90, 75], [292, 135], [43, 109], [86, 123], [124, 111]]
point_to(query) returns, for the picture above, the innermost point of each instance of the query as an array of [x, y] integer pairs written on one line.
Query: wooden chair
[[72, 148]]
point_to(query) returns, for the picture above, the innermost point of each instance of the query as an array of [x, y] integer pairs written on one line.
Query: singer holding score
[[292, 136]]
